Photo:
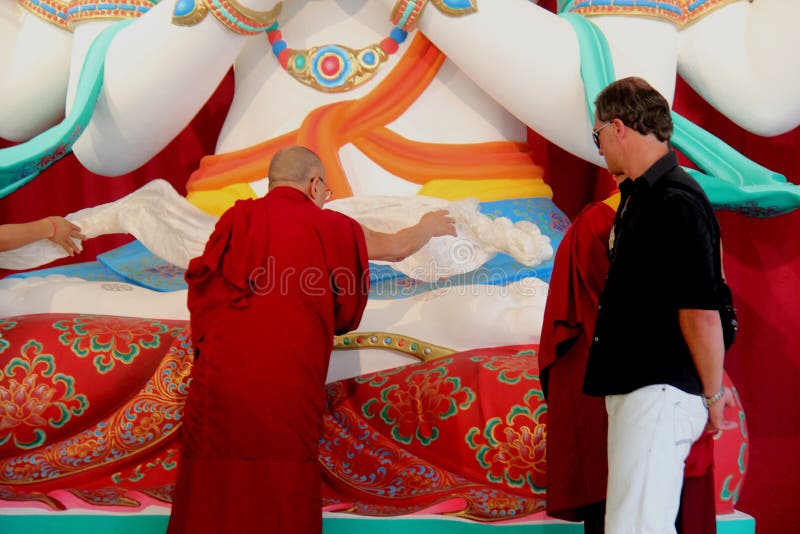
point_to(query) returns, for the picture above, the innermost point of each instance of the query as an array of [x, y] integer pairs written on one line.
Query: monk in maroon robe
[[278, 278], [577, 456]]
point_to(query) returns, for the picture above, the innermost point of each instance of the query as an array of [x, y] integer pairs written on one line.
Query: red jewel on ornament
[[330, 65], [283, 57], [389, 45]]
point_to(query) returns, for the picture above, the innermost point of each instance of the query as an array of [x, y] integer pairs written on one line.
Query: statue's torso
[[268, 102]]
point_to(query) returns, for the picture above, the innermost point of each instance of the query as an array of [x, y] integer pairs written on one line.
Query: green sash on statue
[[731, 181], [22, 163]]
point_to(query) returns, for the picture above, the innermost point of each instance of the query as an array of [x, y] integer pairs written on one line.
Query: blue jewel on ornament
[[183, 8]]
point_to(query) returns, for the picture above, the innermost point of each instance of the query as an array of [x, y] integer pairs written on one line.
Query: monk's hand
[[66, 235], [716, 414], [438, 223]]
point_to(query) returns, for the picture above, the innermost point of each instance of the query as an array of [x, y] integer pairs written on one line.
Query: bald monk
[[278, 278]]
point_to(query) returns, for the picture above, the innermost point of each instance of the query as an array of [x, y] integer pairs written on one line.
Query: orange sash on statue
[[362, 122]]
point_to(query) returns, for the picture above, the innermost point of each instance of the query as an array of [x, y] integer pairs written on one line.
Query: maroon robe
[[278, 278], [577, 460], [576, 455]]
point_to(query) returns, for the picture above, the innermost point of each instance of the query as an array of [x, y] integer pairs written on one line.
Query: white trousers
[[650, 432]]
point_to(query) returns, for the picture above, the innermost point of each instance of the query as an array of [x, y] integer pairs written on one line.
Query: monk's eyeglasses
[[596, 134], [328, 190]]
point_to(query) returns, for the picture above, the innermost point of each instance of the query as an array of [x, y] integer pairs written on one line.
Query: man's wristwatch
[[708, 400]]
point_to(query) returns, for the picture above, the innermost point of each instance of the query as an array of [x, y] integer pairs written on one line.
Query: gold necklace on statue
[[336, 68]]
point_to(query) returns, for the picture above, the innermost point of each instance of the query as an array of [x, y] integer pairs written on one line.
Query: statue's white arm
[[34, 67], [740, 58], [135, 116], [527, 59], [743, 60]]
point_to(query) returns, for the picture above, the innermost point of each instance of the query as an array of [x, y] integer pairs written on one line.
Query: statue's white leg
[[82, 38], [501, 48], [34, 68], [10, 21], [743, 60], [527, 59], [157, 77]]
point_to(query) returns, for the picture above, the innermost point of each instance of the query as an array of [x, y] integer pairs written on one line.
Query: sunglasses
[[596, 134]]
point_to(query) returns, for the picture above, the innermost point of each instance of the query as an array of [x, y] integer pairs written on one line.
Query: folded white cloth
[[175, 230], [479, 237], [155, 214]]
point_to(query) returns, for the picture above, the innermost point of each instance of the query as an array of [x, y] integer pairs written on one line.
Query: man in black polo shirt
[[657, 350]]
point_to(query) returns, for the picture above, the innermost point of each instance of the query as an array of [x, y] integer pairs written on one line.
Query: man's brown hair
[[638, 105]]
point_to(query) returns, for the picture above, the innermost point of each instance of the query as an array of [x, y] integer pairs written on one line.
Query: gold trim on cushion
[[422, 350]]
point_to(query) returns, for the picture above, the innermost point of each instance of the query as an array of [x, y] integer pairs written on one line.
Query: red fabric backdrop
[[762, 261]]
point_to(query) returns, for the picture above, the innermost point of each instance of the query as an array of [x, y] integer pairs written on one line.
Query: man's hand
[[716, 414], [438, 223], [65, 234]]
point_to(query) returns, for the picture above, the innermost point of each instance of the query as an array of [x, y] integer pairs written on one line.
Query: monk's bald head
[[294, 165]]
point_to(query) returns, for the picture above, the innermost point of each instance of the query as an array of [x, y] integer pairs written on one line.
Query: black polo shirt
[[662, 260]]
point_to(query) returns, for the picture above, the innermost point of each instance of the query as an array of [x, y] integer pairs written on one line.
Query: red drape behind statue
[[762, 262]]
